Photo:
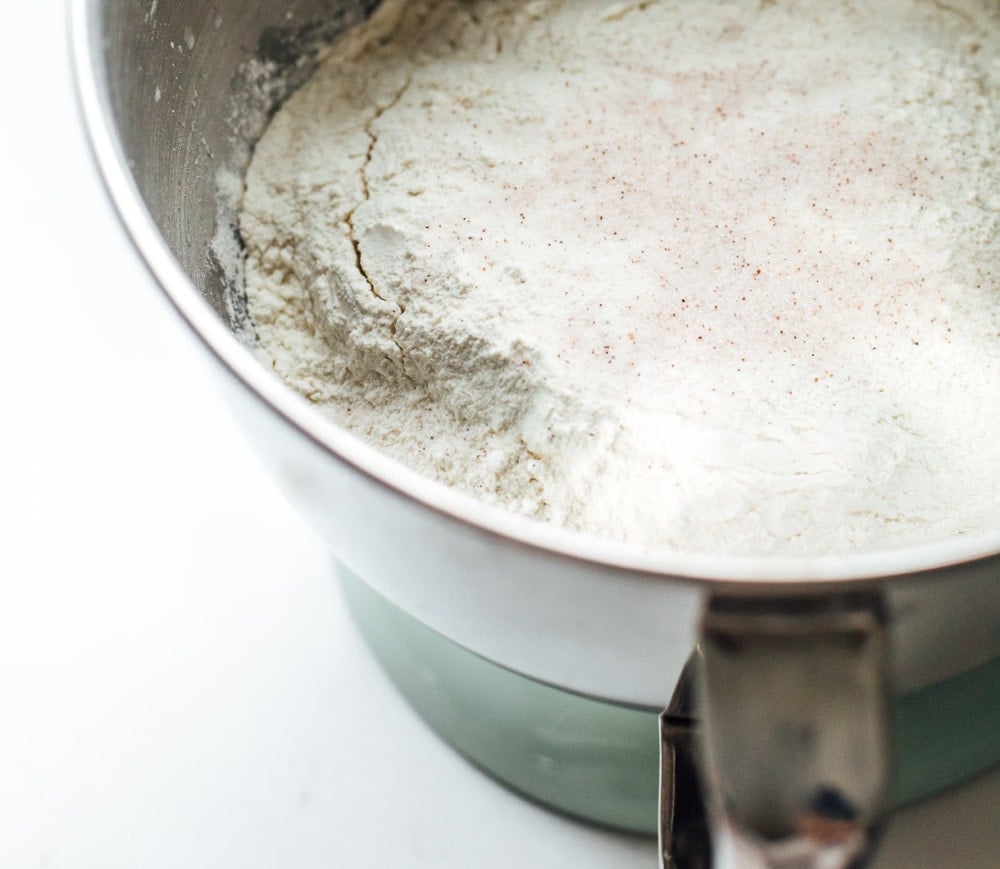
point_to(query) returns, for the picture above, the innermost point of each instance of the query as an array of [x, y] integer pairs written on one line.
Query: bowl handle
[[793, 740]]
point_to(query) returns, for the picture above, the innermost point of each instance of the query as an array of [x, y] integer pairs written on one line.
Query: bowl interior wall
[[191, 85]]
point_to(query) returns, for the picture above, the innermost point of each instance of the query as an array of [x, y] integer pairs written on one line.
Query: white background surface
[[179, 683]]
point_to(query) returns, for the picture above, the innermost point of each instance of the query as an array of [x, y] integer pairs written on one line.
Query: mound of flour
[[716, 277]]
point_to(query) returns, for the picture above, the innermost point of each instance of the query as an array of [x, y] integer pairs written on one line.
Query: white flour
[[704, 276]]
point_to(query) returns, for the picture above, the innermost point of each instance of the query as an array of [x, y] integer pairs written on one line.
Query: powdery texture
[[715, 277]]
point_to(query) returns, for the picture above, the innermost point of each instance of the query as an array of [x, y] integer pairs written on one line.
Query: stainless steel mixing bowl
[[175, 91]]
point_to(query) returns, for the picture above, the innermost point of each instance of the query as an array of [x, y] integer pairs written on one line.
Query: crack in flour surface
[[715, 277]]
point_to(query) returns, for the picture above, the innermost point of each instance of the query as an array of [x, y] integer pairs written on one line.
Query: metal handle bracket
[[794, 705]]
